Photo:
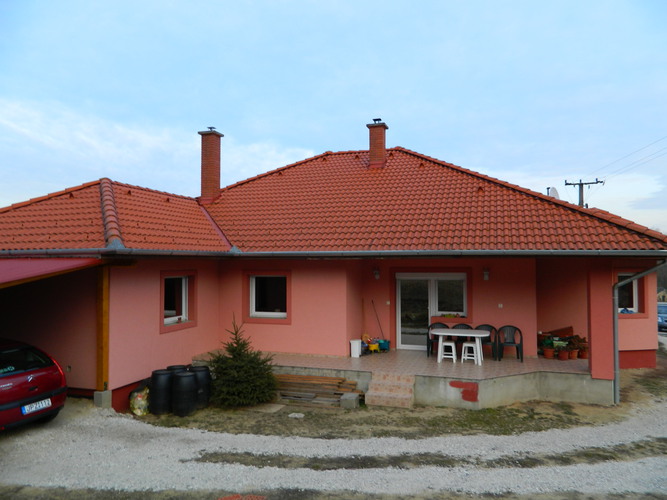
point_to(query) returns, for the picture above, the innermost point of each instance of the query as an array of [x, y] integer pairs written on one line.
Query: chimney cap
[[377, 122], [210, 131]]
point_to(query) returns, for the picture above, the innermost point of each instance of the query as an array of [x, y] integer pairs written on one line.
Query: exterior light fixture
[[376, 273], [485, 273]]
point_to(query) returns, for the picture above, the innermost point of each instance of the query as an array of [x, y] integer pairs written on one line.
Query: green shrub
[[241, 375]]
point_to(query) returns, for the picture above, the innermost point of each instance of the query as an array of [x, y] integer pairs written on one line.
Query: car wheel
[[49, 417]]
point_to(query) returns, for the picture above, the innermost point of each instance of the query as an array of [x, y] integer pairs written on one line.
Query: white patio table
[[454, 332]]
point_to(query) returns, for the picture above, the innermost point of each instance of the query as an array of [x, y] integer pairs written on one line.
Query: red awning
[[17, 271]]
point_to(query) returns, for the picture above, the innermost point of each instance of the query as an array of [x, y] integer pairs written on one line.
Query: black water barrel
[[177, 368], [183, 393], [203, 376], [159, 397]]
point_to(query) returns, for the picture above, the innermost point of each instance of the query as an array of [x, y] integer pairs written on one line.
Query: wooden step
[[314, 390]]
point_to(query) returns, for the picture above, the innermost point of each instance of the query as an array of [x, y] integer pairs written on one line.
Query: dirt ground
[[639, 387]]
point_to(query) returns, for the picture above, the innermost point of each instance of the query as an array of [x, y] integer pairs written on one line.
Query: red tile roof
[[329, 203], [104, 214], [334, 202]]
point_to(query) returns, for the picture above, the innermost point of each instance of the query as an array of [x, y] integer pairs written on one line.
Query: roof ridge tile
[[110, 219]]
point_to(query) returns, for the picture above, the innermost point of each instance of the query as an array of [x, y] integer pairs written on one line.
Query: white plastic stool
[[469, 351], [447, 355]]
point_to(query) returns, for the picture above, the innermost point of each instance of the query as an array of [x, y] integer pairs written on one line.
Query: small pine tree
[[241, 376]]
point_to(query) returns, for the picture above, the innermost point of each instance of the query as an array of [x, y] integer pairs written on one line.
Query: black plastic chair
[[510, 336], [430, 341], [491, 340], [461, 326]]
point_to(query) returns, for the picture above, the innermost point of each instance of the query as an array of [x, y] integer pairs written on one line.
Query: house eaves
[[379, 254]]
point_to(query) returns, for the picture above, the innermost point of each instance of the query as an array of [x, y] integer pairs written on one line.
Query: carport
[[16, 271]]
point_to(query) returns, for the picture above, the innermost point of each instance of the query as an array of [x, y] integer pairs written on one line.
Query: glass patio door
[[413, 312]]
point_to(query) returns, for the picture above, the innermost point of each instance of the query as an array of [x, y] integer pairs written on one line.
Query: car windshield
[[18, 359], [662, 309]]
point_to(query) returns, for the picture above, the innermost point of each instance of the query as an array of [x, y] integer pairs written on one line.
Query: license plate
[[33, 407]]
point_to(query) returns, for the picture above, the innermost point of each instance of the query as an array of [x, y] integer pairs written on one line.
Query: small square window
[[175, 299], [628, 296], [268, 296], [178, 302]]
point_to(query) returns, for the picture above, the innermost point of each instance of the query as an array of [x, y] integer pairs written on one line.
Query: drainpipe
[[617, 371]]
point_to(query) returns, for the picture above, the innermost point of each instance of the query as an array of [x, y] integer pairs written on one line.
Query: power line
[[630, 154], [632, 165], [639, 162]]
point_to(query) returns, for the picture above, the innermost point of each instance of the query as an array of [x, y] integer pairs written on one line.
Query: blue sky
[[531, 92]]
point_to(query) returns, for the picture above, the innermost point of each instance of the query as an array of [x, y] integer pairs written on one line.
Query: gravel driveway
[[88, 447]]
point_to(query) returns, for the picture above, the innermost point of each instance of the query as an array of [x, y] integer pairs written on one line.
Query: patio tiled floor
[[416, 363]]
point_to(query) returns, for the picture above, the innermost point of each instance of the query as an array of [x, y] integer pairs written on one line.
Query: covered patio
[[461, 384]]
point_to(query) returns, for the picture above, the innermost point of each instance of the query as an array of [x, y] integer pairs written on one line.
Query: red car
[[32, 384]]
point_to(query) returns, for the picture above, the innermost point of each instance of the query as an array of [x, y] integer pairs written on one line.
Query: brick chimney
[[377, 147], [210, 165]]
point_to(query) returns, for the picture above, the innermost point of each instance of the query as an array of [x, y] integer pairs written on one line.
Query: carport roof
[[22, 270]]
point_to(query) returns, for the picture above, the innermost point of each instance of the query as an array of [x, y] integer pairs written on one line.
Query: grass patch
[[639, 386], [625, 452]]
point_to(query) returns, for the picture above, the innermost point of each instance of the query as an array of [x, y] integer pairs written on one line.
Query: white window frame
[[451, 277], [266, 314], [433, 279], [635, 292], [177, 318]]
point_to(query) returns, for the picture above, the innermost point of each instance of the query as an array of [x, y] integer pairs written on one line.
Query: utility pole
[[581, 188]]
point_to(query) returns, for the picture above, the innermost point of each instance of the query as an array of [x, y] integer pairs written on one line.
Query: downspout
[[617, 371]]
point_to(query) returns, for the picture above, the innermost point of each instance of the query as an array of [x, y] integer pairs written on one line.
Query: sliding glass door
[[421, 296]]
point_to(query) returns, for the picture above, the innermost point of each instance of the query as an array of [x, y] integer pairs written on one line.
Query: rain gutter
[[236, 253], [617, 370]]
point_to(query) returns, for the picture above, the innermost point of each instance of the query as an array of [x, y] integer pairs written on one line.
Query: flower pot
[[563, 355], [548, 352], [574, 353], [583, 354]]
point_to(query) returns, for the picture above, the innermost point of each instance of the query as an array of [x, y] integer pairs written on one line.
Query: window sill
[[454, 320], [174, 327], [637, 315], [268, 321]]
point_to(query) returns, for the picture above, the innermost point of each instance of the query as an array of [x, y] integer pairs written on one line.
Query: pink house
[[117, 280]]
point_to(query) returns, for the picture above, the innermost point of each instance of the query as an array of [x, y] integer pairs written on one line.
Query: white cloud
[[47, 147]]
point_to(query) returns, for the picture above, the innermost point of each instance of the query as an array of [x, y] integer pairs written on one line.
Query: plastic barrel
[[159, 397], [203, 376], [183, 393], [177, 368]]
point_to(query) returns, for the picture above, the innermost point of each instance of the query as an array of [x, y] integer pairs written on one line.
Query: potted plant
[[548, 349], [581, 344], [563, 354], [549, 352]]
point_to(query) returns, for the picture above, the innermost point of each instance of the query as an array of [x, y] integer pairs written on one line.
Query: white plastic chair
[[447, 350], [469, 352]]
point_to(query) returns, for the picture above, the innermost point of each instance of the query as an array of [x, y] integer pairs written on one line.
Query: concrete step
[[388, 399], [391, 389], [393, 377]]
